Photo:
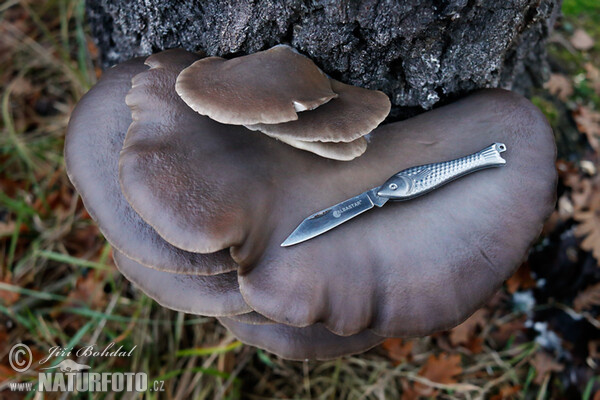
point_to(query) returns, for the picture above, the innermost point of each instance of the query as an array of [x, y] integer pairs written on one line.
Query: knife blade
[[404, 185]]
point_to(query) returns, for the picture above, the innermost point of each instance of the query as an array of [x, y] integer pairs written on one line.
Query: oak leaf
[[544, 364], [520, 280], [8, 298], [464, 333], [398, 350], [587, 298], [507, 392], [89, 290], [442, 369], [589, 229], [588, 123], [581, 40], [593, 75], [560, 86]]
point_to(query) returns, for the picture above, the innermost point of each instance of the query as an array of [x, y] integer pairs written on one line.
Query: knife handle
[[416, 181]]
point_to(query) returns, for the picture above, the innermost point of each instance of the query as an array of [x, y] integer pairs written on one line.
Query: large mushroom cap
[[311, 343], [408, 268], [159, 155], [94, 139], [214, 295], [413, 268], [267, 87], [354, 113]]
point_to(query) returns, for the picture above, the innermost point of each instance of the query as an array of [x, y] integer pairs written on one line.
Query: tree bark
[[418, 52]]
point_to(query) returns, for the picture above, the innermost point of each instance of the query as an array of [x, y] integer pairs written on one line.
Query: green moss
[[548, 108], [578, 7], [571, 62]]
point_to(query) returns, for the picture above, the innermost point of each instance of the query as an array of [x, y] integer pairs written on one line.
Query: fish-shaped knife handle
[[416, 181], [404, 185]]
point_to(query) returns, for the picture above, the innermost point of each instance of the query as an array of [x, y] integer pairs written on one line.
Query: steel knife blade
[[405, 185]]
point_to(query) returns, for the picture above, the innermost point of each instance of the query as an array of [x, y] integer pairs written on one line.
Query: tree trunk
[[417, 52]]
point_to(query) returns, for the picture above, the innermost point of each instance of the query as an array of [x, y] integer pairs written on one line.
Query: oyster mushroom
[[313, 342], [213, 295], [353, 114], [262, 92], [94, 139], [409, 268], [268, 87], [342, 151]]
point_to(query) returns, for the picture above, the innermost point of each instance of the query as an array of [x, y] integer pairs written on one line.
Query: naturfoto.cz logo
[[70, 376]]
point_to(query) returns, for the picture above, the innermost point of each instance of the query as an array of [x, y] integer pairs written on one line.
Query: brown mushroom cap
[[354, 113], [342, 151], [215, 295], [409, 268], [314, 342], [413, 268], [161, 149], [267, 87], [94, 139]]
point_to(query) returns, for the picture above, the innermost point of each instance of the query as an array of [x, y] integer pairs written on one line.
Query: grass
[[59, 286]]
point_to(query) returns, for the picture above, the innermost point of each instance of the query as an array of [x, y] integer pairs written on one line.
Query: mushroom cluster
[[167, 158], [286, 96]]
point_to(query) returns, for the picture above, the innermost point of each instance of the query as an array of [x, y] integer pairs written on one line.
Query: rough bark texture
[[418, 52]]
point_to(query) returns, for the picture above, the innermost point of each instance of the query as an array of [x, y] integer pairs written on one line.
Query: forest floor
[[538, 338]]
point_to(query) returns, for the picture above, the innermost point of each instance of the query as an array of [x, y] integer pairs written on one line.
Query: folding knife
[[404, 185]]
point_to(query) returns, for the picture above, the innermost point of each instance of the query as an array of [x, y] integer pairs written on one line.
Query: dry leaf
[[442, 369], [587, 298], [465, 332], [544, 364], [398, 350], [21, 86], [507, 392], [581, 194], [597, 395], [7, 228], [589, 228], [409, 392], [560, 86], [581, 40], [6, 373], [503, 332], [594, 349], [593, 75], [8, 298], [521, 280], [90, 290], [588, 123], [565, 208]]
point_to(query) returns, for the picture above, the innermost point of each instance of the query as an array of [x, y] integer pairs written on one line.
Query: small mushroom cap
[[354, 113], [267, 87], [214, 295], [408, 268], [94, 139], [314, 342]]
